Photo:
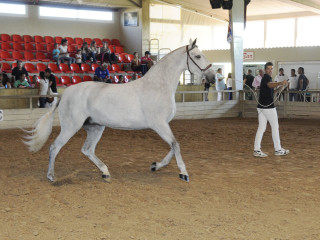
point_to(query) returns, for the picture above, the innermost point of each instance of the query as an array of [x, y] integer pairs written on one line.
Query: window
[[253, 36], [75, 14], [307, 31], [280, 33], [16, 9]]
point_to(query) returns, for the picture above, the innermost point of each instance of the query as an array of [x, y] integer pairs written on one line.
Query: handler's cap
[[147, 52]]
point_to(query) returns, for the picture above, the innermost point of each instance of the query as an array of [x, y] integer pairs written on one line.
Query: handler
[[268, 113]]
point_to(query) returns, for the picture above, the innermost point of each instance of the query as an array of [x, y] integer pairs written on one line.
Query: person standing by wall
[[220, 84], [303, 83], [268, 113], [229, 85], [293, 85], [248, 84], [257, 80], [279, 78]]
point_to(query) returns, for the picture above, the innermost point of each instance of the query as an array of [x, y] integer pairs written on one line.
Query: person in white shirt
[[279, 78], [220, 84], [293, 85], [78, 57], [64, 55], [257, 80], [43, 90], [229, 85]]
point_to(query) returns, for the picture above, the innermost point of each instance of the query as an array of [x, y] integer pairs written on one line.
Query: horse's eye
[[198, 56]]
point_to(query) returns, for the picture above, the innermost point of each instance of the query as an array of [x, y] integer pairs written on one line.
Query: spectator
[[64, 55], [21, 82], [146, 62], [136, 63], [293, 85], [106, 54], [121, 79], [257, 80], [248, 84], [78, 57], [52, 83], [229, 85], [134, 77], [56, 53], [279, 78], [220, 84], [18, 71], [43, 90], [86, 52], [94, 51], [102, 74], [34, 83], [303, 83], [4, 81]]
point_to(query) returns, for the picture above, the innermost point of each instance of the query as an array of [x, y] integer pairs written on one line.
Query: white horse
[[147, 103]]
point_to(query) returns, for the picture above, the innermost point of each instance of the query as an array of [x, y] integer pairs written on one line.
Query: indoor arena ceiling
[[257, 9]]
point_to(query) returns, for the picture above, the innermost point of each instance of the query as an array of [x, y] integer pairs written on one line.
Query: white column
[[237, 23]]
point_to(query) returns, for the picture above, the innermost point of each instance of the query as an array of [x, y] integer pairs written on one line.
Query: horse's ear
[[194, 42], [190, 41]]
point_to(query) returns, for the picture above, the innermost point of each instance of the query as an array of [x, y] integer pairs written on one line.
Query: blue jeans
[[230, 93], [90, 55]]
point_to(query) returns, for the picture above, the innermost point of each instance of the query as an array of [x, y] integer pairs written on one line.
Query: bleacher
[[36, 54]]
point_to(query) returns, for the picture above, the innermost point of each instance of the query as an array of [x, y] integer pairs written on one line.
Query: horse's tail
[[40, 134]]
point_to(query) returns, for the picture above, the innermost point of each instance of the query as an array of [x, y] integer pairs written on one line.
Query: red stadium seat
[[125, 56], [17, 38], [119, 49], [38, 39], [86, 68], [117, 69], [88, 40], [94, 66], [49, 40], [75, 68], [130, 57], [54, 68], [58, 81], [40, 47], [76, 79], [65, 80], [29, 47], [111, 71], [78, 41], [6, 56], [111, 48], [65, 68], [41, 57], [70, 41], [115, 42], [5, 67], [72, 49], [107, 40], [18, 56], [5, 38], [127, 78], [41, 67], [122, 58], [50, 47], [27, 39], [87, 78], [30, 68], [98, 42], [29, 56], [6, 46], [14, 65], [18, 46], [116, 79], [58, 40]]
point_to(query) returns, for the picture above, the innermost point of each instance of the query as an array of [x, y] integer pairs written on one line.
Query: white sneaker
[[259, 154], [281, 152]]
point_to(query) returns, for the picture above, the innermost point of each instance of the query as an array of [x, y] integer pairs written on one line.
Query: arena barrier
[[190, 105]]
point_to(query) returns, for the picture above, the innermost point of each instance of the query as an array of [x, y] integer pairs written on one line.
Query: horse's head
[[197, 62]]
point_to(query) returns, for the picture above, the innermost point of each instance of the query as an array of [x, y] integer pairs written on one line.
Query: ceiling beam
[[135, 3], [305, 4]]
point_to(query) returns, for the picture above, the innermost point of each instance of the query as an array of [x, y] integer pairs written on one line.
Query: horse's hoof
[[106, 178], [50, 178], [153, 167], [184, 177]]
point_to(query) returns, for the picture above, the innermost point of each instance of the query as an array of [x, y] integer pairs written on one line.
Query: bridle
[[201, 69]]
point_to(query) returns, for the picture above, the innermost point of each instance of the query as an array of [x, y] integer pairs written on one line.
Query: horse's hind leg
[[166, 134], [94, 133]]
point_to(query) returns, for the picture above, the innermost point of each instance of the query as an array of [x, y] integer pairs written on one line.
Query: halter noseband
[[201, 69]]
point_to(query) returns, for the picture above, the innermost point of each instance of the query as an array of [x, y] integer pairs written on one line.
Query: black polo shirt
[[52, 79], [17, 72], [266, 93], [249, 81]]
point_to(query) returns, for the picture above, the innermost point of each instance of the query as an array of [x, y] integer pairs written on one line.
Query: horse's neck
[[167, 72]]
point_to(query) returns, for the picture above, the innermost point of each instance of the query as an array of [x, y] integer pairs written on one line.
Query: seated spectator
[[106, 54], [4, 81], [56, 53], [136, 63], [94, 51], [86, 52], [78, 57], [43, 90], [64, 54], [34, 83], [21, 82], [121, 79], [146, 62], [18, 71], [52, 84], [102, 74]]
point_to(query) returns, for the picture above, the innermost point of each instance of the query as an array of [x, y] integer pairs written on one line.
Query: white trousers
[[266, 115], [220, 96]]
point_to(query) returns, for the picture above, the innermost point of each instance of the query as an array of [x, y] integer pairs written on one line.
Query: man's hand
[[284, 82]]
